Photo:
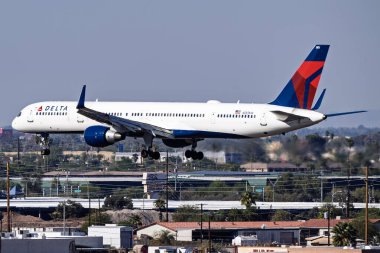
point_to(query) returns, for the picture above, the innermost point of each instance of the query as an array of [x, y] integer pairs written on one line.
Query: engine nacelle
[[180, 143], [100, 136]]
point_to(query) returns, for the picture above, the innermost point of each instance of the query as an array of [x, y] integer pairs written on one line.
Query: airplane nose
[[14, 124]]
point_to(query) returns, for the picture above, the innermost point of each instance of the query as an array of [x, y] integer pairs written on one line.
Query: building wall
[[268, 236], [114, 236], [185, 235], [153, 231], [301, 250], [37, 246]]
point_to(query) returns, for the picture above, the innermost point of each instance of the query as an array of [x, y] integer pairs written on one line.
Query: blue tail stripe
[[319, 101], [287, 97], [319, 53], [307, 86]]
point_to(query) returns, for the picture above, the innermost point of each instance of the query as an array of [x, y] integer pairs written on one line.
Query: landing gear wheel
[[194, 155], [45, 151], [156, 155], [44, 142], [144, 153]]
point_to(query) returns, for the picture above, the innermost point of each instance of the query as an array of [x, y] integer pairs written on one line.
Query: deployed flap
[[288, 117], [120, 124]]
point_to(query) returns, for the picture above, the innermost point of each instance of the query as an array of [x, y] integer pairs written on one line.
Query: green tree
[[164, 237], [373, 234], [186, 213], [316, 145], [160, 205], [101, 219], [133, 221], [118, 201], [247, 199], [281, 215], [344, 234], [72, 210], [326, 208]]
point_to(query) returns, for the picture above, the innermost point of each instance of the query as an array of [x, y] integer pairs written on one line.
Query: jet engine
[[101, 136]]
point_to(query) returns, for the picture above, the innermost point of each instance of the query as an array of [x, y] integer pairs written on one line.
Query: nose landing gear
[[44, 141]]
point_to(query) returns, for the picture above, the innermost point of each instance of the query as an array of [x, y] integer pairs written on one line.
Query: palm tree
[[135, 221], [247, 199], [165, 237], [160, 204], [344, 234]]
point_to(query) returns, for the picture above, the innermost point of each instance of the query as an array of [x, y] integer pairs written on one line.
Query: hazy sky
[[187, 51]]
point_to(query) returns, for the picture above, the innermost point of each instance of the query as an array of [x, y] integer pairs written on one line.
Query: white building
[[113, 235]]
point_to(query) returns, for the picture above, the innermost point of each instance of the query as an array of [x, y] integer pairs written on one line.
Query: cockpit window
[[19, 114]]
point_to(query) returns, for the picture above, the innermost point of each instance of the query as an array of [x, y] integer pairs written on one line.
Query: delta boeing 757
[[181, 124]]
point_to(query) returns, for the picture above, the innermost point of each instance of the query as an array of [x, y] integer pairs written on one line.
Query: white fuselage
[[188, 120]]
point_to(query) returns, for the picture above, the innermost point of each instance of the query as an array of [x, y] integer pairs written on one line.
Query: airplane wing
[[120, 124], [288, 117]]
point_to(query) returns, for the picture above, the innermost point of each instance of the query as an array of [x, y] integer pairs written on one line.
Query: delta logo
[[53, 108]]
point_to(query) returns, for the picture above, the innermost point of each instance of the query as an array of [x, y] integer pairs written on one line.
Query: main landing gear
[[44, 142], [148, 139], [193, 153], [152, 154]]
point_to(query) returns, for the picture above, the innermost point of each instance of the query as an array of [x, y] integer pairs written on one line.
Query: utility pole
[[273, 186], [348, 192], [366, 204], [209, 233], [326, 215], [328, 226], [64, 217], [167, 185], [350, 144], [201, 222], [89, 204], [18, 153], [8, 201], [321, 186]]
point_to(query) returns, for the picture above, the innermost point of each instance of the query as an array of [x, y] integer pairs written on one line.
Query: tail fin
[[301, 89]]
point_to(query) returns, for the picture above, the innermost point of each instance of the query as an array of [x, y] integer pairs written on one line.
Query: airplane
[[181, 124]]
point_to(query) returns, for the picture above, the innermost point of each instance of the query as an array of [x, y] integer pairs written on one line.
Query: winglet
[[319, 101], [82, 98]]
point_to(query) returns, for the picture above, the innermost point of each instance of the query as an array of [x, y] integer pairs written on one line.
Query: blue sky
[[187, 51]]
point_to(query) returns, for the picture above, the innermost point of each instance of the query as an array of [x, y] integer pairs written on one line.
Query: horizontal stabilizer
[[342, 113]]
